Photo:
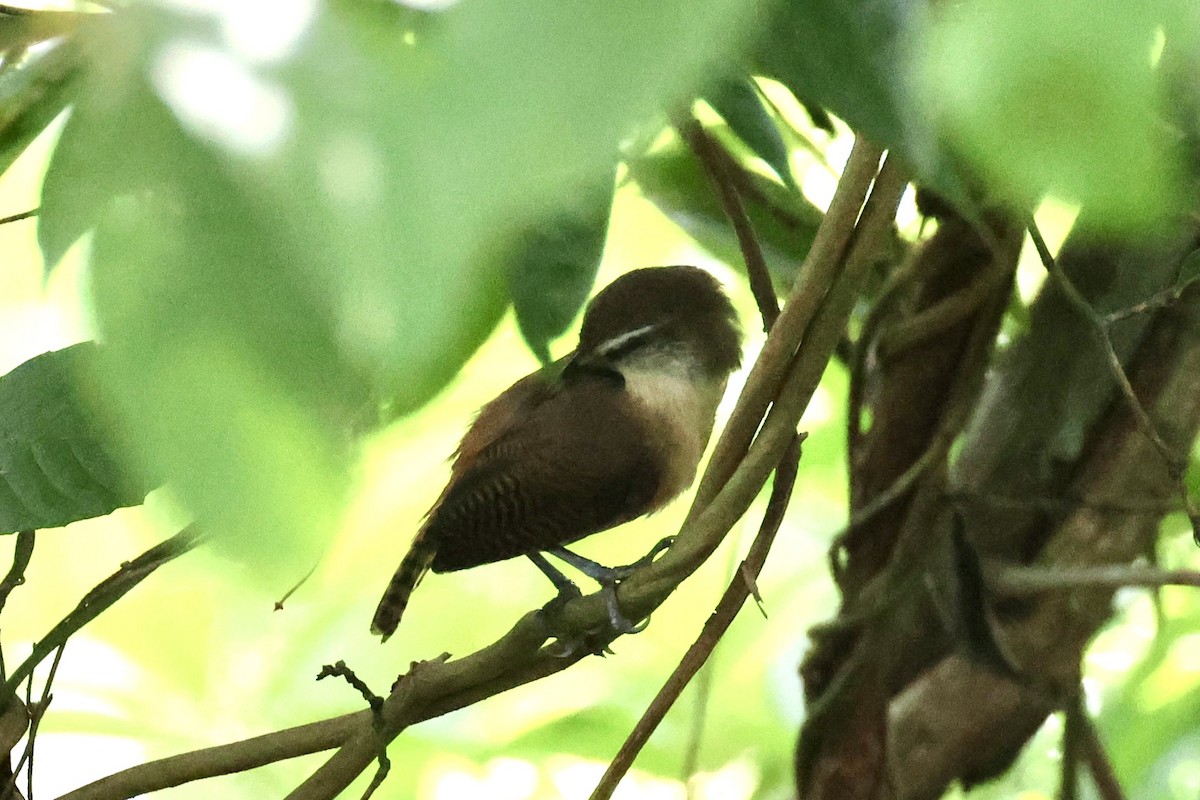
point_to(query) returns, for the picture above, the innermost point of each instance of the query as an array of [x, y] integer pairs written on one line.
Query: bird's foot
[[569, 642], [608, 578], [619, 622], [611, 575]]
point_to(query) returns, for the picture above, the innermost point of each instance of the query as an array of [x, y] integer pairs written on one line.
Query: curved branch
[[734, 597], [95, 602]]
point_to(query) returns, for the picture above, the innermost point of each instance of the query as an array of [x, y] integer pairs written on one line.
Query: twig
[[1018, 579], [225, 759], [1158, 300], [376, 704], [728, 180], [22, 552], [36, 712], [1099, 764], [1175, 464], [727, 609], [814, 279], [1063, 503], [95, 602], [33, 212], [1073, 719], [692, 132], [286, 595]]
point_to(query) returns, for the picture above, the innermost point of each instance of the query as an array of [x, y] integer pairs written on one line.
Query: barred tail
[[408, 575]]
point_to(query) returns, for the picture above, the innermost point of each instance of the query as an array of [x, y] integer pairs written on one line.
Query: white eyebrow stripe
[[616, 342]]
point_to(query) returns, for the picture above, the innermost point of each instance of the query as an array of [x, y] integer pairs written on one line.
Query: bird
[[610, 432]]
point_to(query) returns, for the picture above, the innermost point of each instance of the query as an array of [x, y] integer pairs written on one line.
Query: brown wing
[[499, 417], [577, 462]]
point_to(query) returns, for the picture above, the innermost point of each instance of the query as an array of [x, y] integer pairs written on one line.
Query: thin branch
[[33, 212], [1017, 579], [1176, 464], [1157, 301], [812, 283], [95, 602], [728, 180], [1099, 764], [735, 596], [692, 132], [1085, 310], [22, 553], [1073, 718], [37, 711], [226, 759], [375, 702], [1064, 503]]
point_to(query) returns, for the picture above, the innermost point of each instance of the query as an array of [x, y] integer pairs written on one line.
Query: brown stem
[[95, 602], [33, 212], [702, 145], [22, 553], [734, 597]]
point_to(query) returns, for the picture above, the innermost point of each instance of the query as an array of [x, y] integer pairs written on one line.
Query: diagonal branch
[[22, 553], [734, 597], [95, 602], [705, 149]]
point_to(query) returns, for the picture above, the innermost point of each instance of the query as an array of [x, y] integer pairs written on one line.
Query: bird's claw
[[609, 579], [616, 619]]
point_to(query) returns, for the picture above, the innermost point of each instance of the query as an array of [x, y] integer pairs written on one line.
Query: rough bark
[[1047, 461]]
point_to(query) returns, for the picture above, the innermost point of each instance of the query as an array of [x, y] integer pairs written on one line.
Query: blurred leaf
[[1057, 98], [248, 396], [783, 220], [55, 470], [22, 28], [33, 92], [740, 103], [554, 265], [290, 224], [847, 56], [842, 55]]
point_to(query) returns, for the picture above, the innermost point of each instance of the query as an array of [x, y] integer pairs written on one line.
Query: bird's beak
[[593, 363]]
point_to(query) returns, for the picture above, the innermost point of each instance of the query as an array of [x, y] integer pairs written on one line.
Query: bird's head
[[674, 319]]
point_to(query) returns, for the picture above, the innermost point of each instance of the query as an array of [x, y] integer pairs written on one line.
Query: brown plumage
[[610, 433]]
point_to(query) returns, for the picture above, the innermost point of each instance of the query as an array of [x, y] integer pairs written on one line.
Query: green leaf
[[849, 56], [740, 103], [1055, 98], [783, 220], [842, 55], [291, 224], [34, 92], [245, 408], [54, 466], [554, 265]]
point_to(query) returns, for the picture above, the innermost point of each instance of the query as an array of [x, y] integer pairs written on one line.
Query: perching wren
[[611, 432]]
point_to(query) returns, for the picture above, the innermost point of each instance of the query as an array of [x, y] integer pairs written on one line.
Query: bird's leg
[[602, 574], [567, 590], [608, 578]]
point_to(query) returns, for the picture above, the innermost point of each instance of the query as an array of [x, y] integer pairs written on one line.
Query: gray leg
[[608, 578]]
